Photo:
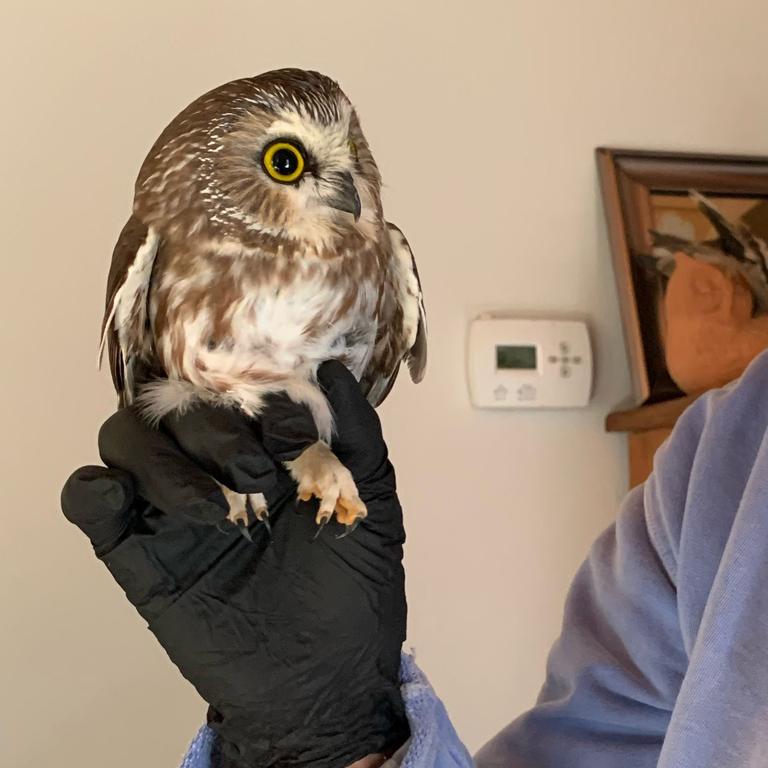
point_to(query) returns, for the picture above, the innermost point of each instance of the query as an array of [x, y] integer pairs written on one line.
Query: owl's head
[[281, 155]]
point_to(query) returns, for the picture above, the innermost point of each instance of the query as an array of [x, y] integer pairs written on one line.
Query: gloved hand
[[293, 641]]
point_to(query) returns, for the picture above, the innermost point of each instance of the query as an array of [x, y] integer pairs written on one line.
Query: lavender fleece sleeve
[[663, 656], [662, 661]]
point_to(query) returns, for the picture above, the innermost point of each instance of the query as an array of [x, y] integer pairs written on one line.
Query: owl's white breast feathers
[[238, 330]]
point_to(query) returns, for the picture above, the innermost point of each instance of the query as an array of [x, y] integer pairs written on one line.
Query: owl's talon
[[350, 529], [243, 528], [320, 528]]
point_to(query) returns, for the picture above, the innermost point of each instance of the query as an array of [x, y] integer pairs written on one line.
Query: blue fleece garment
[[663, 656]]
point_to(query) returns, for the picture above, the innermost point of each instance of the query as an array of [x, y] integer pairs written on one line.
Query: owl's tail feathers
[[160, 397]]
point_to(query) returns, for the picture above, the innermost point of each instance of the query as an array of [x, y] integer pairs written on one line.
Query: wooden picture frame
[[634, 184]]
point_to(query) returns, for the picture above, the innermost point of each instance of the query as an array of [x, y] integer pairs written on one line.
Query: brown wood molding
[[647, 417], [642, 450]]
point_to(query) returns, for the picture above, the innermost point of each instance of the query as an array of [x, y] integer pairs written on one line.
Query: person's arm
[[612, 675], [663, 660]]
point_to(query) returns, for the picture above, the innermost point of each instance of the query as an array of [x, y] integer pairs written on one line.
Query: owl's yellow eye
[[353, 149], [283, 161]]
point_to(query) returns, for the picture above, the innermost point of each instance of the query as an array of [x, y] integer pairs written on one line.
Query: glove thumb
[[99, 501]]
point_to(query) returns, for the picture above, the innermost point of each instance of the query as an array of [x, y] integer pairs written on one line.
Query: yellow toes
[[350, 509]]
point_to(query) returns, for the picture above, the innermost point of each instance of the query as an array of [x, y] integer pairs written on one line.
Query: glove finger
[[163, 475], [225, 443], [287, 428], [357, 440], [100, 501]]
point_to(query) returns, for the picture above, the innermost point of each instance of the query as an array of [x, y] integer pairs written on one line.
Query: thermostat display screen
[[516, 358]]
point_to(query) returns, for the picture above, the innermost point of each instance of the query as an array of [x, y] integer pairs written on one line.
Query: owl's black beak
[[344, 196]]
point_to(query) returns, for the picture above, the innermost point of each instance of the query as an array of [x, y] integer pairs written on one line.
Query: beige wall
[[483, 117]]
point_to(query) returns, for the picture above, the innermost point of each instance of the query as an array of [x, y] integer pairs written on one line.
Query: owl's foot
[[244, 507], [321, 475]]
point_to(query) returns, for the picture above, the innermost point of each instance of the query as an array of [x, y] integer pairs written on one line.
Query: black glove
[[293, 641]]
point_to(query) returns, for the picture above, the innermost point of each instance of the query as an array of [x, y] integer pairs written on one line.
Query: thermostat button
[[565, 371], [526, 393]]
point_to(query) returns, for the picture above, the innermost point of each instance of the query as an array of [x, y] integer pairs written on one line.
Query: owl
[[258, 249]]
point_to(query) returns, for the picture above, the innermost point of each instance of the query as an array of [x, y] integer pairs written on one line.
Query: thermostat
[[526, 363]]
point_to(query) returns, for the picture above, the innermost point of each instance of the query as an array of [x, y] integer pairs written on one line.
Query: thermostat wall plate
[[526, 363]]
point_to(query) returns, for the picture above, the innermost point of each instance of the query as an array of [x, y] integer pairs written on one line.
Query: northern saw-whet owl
[[257, 249]]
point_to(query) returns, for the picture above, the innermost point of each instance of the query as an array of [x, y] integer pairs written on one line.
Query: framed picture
[[646, 193]]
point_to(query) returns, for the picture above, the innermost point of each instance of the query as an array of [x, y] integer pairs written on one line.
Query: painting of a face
[[651, 214]]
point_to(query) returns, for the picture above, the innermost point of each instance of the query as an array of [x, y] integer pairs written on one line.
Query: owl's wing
[[405, 337], [412, 301], [124, 329]]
